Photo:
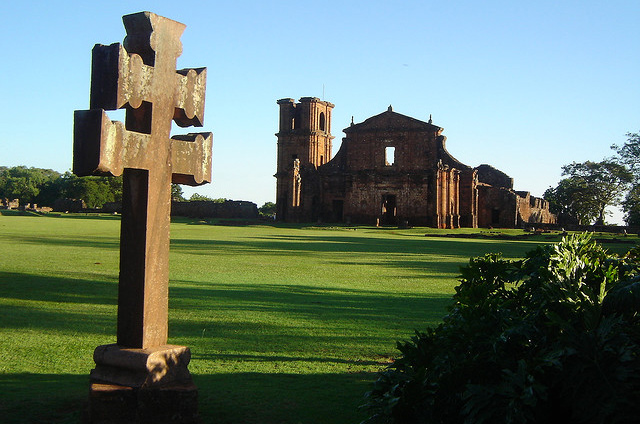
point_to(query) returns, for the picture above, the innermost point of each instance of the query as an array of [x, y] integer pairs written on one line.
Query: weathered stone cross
[[141, 76]]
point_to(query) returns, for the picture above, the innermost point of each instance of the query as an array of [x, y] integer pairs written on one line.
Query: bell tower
[[304, 144]]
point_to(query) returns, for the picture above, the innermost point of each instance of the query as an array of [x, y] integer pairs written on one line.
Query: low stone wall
[[69, 205], [197, 209], [616, 229], [205, 209]]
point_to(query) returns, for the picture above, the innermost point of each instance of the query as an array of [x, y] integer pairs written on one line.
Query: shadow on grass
[[33, 287], [102, 217], [250, 398], [282, 359], [256, 398], [66, 305], [330, 305], [312, 244], [91, 241], [43, 398], [326, 308], [247, 397], [297, 323]]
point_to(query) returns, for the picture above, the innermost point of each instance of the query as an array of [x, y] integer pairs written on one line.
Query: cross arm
[[191, 85], [105, 147], [118, 78], [191, 158]]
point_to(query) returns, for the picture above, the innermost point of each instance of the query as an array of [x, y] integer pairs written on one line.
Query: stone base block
[[171, 404], [151, 367]]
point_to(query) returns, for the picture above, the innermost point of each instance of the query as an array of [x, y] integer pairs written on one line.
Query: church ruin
[[391, 169]]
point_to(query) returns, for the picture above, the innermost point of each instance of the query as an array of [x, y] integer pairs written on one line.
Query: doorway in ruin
[[389, 210], [337, 210], [283, 208], [495, 216]]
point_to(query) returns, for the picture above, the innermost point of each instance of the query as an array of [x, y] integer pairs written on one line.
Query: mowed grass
[[286, 324]]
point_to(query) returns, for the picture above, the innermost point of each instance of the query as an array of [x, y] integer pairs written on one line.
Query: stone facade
[[391, 169]]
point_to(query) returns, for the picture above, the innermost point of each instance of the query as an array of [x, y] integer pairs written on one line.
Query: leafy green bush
[[552, 338]]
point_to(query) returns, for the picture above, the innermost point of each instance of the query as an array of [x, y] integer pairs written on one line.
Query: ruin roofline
[[446, 157], [390, 113]]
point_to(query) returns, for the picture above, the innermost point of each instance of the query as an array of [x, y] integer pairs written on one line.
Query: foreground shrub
[[552, 338]]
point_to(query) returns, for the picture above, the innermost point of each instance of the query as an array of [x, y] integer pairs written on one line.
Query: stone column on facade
[[444, 195], [295, 184], [456, 199]]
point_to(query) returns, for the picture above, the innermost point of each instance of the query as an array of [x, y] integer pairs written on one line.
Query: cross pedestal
[[141, 77]]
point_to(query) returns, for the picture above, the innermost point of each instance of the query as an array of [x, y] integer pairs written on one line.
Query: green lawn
[[286, 324]]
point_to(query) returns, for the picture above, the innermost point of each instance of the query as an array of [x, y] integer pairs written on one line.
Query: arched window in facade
[[322, 121]]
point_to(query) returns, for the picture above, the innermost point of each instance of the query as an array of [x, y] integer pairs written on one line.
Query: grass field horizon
[[286, 324]]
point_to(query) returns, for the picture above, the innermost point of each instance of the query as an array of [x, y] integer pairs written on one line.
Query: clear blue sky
[[523, 86]]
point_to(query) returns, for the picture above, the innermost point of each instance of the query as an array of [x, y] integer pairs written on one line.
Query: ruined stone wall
[[448, 198], [413, 150], [489, 175], [9, 204], [500, 207], [377, 182], [497, 207], [533, 210], [468, 199], [410, 192], [390, 169], [207, 209], [304, 144]]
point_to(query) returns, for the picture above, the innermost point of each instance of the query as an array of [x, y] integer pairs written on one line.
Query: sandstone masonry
[[391, 169]]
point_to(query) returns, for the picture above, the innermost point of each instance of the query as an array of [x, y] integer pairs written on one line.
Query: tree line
[[588, 188], [44, 186], [581, 196]]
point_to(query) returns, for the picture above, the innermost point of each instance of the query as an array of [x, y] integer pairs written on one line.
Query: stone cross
[[141, 77]]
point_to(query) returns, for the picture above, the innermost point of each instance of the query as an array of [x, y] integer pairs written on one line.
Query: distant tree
[[598, 185], [629, 156], [199, 197], [24, 183], [567, 201], [95, 191], [50, 191], [45, 186], [177, 195], [21, 188], [268, 209]]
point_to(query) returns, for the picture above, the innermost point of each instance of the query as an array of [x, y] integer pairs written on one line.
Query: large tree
[[589, 188], [568, 202], [629, 156]]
